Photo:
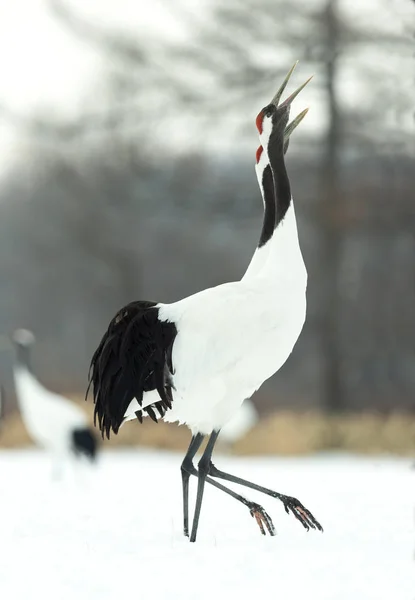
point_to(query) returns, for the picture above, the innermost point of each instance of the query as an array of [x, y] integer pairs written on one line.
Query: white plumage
[[52, 421], [196, 360], [244, 334], [240, 423], [48, 417], [227, 355]]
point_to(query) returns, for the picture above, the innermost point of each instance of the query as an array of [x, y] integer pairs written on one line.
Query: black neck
[[268, 223], [281, 181], [23, 356]]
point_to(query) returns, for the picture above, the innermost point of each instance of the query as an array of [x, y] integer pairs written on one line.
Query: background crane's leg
[[187, 464], [290, 504], [57, 466], [204, 465]]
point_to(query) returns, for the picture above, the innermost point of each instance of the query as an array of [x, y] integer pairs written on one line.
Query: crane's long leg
[[290, 504], [188, 468], [194, 446], [256, 510], [204, 466]]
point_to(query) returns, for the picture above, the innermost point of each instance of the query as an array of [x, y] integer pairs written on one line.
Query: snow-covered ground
[[119, 535]]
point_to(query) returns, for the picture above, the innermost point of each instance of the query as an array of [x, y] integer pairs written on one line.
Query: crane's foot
[[300, 512], [262, 518]]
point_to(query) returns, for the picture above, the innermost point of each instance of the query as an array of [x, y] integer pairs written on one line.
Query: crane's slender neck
[[284, 258], [268, 224], [23, 357], [281, 182], [278, 252]]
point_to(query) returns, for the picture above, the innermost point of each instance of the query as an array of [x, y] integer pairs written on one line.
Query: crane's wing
[[133, 357], [232, 333]]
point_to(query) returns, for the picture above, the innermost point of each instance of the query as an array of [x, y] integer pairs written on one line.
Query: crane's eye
[[265, 112], [268, 110]]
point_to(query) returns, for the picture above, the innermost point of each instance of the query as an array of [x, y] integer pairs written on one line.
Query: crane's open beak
[[289, 100], [291, 126]]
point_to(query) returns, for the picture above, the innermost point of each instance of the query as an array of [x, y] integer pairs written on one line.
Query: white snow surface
[[118, 535]]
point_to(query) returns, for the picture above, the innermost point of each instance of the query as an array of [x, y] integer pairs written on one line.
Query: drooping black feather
[[139, 415], [133, 357], [152, 414]]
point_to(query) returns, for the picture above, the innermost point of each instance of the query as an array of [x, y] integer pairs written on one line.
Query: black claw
[[262, 517], [302, 514], [139, 415]]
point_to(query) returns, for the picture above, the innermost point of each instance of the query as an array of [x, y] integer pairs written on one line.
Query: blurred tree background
[[149, 190]]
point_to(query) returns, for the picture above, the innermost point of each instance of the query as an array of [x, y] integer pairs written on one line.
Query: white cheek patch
[[266, 133], [263, 161], [260, 166], [259, 170]]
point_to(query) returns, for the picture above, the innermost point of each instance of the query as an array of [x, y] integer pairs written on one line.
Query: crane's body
[[52, 421], [225, 357], [49, 418], [196, 360], [240, 423]]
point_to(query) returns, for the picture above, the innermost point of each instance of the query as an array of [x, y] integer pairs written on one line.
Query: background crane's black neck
[[280, 176], [268, 224], [23, 356]]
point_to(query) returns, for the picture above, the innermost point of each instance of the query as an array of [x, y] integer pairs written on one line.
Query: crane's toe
[[301, 513], [262, 518]]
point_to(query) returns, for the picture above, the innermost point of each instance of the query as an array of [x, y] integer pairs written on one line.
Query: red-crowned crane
[[52, 421], [196, 360]]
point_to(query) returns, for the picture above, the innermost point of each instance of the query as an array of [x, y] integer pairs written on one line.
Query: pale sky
[[44, 68], [43, 65]]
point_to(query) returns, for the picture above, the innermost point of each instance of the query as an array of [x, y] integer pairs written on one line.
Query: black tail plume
[[133, 357], [84, 443]]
